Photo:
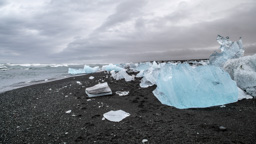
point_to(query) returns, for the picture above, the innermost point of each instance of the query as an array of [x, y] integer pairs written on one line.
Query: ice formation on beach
[[100, 89], [111, 67], [229, 50], [122, 75], [116, 116], [86, 69], [243, 71], [183, 86]]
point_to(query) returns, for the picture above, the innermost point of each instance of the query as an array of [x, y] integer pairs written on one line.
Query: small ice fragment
[[222, 128], [66, 95], [122, 93], [100, 89], [144, 140], [73, 115], [116, 116], [91, 77], [18, 126], [222, 106], [66, 133], [89, 100], [69, 111], [50, 89], [78, 82], [103, 118]]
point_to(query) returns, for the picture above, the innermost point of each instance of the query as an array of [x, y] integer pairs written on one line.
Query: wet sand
[[36, 114]]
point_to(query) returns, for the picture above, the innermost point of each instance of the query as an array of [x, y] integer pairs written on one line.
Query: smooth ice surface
[[243, 71], [86, 69], [100, 89], [229, 50], [122, 93], [111, 67], [183, 86], [116, 116], [122, 75]]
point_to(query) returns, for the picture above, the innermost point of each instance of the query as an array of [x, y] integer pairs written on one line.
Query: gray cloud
[[127, 30]]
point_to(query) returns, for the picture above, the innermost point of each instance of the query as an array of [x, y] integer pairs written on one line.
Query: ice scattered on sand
[[116, 116], [229, 50], [111, 67], [91, 77], [122, 93], [243, 71], [183, 87], [122, 75], [69, 111]]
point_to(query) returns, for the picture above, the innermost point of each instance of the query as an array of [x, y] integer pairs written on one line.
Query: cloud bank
[[103, 31]]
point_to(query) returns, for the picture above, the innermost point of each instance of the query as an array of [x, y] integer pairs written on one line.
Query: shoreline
[[36, 114]]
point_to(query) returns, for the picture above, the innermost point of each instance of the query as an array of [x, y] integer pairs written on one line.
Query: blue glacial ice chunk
[[122, 75], [243, 71], [183, 86], [229, 50], [86, 69], [89, 69], [149, 77], [111, 67]]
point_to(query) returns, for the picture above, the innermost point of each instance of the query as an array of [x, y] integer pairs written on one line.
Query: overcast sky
[[103, 31]]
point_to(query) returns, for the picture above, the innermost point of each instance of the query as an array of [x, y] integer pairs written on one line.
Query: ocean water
[[14, 76]]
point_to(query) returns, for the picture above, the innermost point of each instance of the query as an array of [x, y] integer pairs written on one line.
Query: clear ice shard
[[183, 86], [122, 75], [86, 69], [116, 116], [122, 93], [111, 67], [100, 89], [243, 71], [229, 50]]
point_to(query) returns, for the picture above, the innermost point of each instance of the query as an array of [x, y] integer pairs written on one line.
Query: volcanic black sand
[[37, 114]]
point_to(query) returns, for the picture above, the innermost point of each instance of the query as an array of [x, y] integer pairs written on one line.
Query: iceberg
[[122, 75], [183, 86], [243, 71], [229, 50], [116, 116], [100, 89], [87, 69], [111, 67]]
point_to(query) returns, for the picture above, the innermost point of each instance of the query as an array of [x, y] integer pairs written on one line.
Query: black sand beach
[[36, 114]]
